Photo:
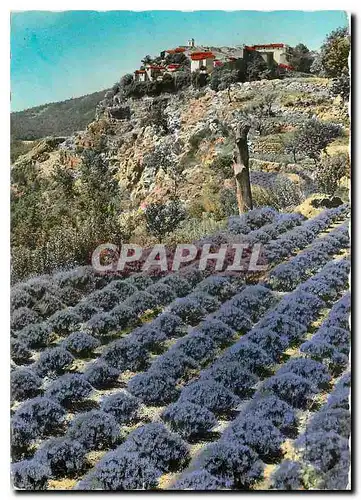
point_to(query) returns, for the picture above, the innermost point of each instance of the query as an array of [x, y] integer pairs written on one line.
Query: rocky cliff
[[173, 141]]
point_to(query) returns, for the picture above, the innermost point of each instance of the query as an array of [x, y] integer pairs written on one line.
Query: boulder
[[120, 112], [333, 202]]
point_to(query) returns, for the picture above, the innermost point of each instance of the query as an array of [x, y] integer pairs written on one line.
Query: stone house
[[140, 75], [173, 67], [202, 60], [271, 52], [154, 72]]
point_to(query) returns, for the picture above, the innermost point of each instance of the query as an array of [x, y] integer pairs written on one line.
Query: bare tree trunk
[[229, 93], [241, 170]]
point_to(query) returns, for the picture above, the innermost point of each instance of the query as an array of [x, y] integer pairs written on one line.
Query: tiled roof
[[266, 46], [199, 56], [175, 51], [155, 67], [286, 66]]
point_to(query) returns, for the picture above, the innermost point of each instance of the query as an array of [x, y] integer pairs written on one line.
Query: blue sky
[[58, 55]]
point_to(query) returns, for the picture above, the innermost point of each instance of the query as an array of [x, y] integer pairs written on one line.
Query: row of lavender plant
[[133, 401], [256, 436], [132, 352], [30, 329], [323, 447], [287, 276], [41, 296], [201, 400], [72, 388], [104, 314]]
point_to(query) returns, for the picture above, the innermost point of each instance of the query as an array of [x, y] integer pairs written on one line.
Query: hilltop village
[[204, 59]]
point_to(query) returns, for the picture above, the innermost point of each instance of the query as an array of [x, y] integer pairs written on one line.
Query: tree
[[153, 88], [156, 115], [136, 89], [168, 84], [300, 58], [98, 190], [147, 60], [258, 69], [182, 79], [165, 157], [258, 114], [335, 51], [312, 137], [227, 78], [178, 58], [216, 78], [241, 169], [116, 88], [292, 147], [317, 66], [267, 102], [224, 76], [223, 165], [341, 86], [64, 188], [163, 218], [126, 80], [175, 172], [199, 78], [330, 171]]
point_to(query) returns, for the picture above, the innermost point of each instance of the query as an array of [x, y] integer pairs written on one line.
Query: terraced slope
[[196, 380]]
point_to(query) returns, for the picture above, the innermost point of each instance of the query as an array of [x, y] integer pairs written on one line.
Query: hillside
[[97, 184], [57, 118]]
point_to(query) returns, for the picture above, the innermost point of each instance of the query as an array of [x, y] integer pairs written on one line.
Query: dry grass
[[61, 484], [167, 480], [266, 482]]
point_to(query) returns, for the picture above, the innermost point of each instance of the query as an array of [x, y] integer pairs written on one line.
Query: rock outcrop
[[192, 128]]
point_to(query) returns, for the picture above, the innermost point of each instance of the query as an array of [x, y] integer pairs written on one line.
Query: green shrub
[[341, 86], [223, 165], [163, 218], [199, 79], [330, 171], [228, 203], [282, 194], [182, 79], [195, 228], [312, 137], [178, 58], [196, 138], [300, 58]]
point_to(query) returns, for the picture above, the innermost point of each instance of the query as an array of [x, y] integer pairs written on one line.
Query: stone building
[[140, 75], [271, 52], [154, 72], [205, 59], [202, 61], [173, 67]]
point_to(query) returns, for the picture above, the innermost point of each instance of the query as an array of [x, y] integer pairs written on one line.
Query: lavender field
[[193, 380]]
